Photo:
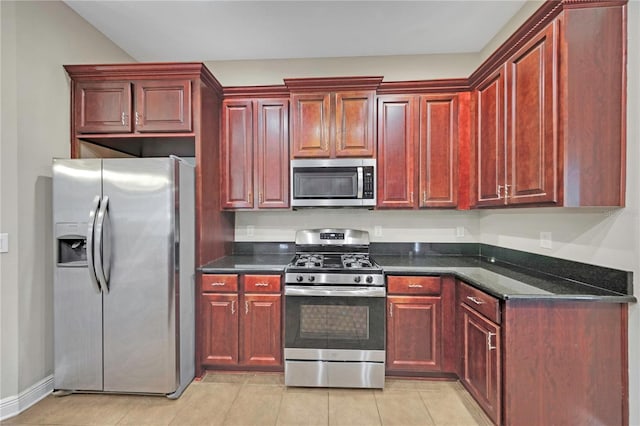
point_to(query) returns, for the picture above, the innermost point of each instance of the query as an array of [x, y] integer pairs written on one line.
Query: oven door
[[335, 318]]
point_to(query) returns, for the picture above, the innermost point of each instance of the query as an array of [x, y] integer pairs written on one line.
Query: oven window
[[334, 322], [314, 322]]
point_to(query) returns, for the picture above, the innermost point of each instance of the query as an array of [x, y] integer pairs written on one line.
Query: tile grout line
[[426, 407]]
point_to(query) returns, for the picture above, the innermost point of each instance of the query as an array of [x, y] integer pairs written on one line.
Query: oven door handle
[[334, 291]]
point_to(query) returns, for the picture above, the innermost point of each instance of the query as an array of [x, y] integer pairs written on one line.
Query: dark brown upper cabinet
[[550, 118], [133, 106], [255, 154], [418, 151], [333, 117]]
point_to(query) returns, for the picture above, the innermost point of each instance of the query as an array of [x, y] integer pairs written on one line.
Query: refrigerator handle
[[102, 246], [90, 231]]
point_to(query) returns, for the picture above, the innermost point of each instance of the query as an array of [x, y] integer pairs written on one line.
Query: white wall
[[37, 39]]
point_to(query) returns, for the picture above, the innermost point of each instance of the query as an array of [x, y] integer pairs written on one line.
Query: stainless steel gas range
[[334, 312]]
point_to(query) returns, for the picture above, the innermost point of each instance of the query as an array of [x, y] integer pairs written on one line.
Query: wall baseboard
[[14, 405]]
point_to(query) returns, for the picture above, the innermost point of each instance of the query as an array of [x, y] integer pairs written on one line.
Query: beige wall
[[37, 39]]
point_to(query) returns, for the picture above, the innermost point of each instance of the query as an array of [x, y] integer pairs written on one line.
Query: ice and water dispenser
[[71, 244]]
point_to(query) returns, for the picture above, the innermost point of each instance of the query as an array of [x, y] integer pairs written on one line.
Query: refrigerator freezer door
[[139, 310], [77, 302]]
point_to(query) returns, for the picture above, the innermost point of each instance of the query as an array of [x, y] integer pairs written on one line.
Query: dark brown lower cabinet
[[413, 333], [241, 330], [481, 361]]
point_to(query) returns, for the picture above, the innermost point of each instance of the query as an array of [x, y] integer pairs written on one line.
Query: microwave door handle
[[360, 183]]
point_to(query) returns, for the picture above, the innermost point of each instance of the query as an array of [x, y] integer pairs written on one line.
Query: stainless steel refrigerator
[[124, 275]]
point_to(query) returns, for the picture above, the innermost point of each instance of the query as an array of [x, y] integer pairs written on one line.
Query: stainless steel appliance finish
[[124, 275], [342, 182], [334, 312]]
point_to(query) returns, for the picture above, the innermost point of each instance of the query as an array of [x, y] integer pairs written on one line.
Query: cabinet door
[[396, 151], [272, 153], [261, 328], [481, 361], [310, 124], [490, 143], [413, 333], [220, 329], [103, 107], [532, 105], [163, 106], [355, 118], [438, 167], [236, 167]]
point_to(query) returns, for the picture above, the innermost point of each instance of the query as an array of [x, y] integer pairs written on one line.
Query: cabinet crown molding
[[333, 83]]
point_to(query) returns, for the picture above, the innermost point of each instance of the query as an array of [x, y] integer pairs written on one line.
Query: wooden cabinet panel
[[355, 124], [396, 151], [103, 107], [163, 106], [413, 333], [310, 124], [480, 301], [490, 142], [262, 283], [481, 361], [261, 326], [272, 153], [219, 283], [414, 285], [438, 167], [219, 316], [533, 142], [236, 166]]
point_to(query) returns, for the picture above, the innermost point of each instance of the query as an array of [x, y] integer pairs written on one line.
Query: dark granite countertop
[[501, 280]]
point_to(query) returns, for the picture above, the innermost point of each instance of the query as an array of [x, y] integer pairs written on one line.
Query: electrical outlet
[[459, 231], [377, 231], [4, 243], [545, 240], [250, 230]]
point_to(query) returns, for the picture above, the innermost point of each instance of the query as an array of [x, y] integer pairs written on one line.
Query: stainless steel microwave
[[348, 182]]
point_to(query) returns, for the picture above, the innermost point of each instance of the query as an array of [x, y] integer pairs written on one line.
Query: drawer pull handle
[[489, 345], [246, 307], [217, 284], [415, 285], [475, 300], [262, 284], [233, 308], [391, 309]]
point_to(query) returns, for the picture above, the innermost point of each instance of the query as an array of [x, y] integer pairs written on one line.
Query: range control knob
[[369, 279], [311, 278], [357, 278], [299, 278]]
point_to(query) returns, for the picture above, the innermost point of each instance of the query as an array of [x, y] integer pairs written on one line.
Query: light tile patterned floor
[[262, 399]]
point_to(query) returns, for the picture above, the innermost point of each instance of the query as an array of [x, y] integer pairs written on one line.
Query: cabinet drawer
[[262, 283], [480, 301], [413, 285], [219, 283]]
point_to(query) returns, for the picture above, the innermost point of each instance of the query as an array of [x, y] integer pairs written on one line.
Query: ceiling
[[168, 31]]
